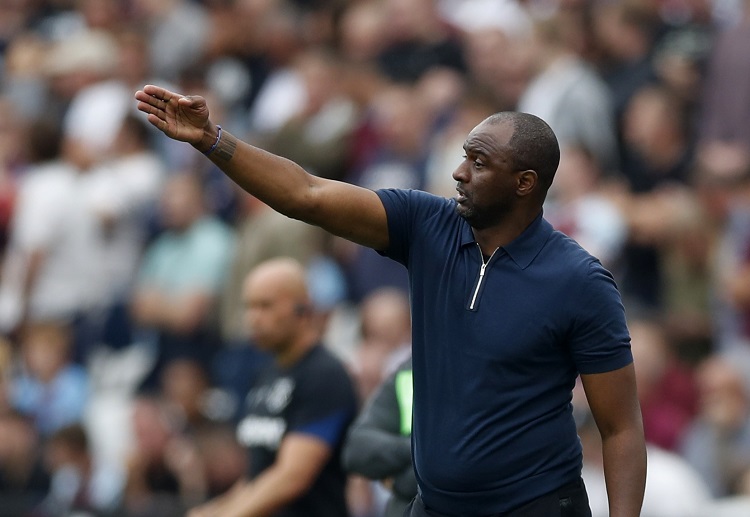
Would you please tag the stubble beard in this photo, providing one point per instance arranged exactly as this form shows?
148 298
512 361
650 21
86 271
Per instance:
481 219
470 215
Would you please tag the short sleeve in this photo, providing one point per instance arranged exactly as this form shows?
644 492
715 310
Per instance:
196 262
396 203
600 341
212 252
324 405
410 212
38 214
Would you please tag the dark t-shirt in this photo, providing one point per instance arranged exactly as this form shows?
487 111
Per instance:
496 353
316 397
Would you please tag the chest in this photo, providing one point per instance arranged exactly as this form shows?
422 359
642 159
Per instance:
266 419
494 309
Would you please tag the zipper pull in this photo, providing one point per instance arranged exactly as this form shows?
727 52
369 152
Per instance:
479 284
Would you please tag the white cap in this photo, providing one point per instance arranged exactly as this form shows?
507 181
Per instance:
90 51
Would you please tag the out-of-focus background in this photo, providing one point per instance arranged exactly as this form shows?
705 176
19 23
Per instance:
124 358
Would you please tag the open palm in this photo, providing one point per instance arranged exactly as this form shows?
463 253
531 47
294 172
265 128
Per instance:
177 116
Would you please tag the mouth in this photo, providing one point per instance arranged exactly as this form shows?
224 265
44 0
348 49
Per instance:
460 196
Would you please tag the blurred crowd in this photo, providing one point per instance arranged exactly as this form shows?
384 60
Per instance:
124 356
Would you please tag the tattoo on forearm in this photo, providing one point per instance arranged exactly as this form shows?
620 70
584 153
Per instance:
225 148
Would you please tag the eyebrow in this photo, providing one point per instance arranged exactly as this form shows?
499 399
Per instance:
474 148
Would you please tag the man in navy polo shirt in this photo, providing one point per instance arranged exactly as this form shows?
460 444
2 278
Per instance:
506 314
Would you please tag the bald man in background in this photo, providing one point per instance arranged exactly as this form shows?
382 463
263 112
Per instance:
298 412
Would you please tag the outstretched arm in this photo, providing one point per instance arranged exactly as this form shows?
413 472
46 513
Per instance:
614 404
343 209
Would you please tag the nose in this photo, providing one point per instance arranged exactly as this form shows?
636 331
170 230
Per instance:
460 174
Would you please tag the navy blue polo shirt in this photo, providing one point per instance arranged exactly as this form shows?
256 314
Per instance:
496 355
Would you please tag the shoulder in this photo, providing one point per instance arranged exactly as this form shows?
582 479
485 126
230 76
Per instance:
413 198
47 177
571 247
416 209
73 378
212 229
580 273
321 359
567 252
322 379
322 367
145 164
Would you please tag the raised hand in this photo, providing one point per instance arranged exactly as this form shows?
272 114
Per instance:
180 117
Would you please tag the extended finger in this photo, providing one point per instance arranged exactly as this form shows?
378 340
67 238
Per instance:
156 117
158 123
158 100
151 109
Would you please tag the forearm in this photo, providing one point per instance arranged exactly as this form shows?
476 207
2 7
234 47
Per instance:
152 308
613 400
625 472
216 505
278 182
263 496
342 209
187 314
376 454
34 266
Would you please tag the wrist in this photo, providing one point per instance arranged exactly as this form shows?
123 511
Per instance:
209 139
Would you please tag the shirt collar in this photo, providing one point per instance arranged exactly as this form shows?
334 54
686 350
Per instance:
525 247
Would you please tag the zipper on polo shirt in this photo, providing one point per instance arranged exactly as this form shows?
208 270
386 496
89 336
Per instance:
481 276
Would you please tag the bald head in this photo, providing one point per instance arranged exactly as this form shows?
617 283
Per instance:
284 277
278 307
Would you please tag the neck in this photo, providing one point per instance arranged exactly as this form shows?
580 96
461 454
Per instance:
505 232
298 348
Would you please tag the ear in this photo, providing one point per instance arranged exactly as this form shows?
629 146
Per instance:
302 309
527 181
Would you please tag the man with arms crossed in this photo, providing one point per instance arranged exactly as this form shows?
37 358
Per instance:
506 312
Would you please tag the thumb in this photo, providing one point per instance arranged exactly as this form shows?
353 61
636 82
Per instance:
191 101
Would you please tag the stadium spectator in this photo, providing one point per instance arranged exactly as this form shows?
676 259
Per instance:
666 386
378 445
164 473
725 107
78 482
565 90
717 442
180 277
48 387
53 240
385 331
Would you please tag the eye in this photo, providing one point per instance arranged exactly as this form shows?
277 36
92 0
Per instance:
477 163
